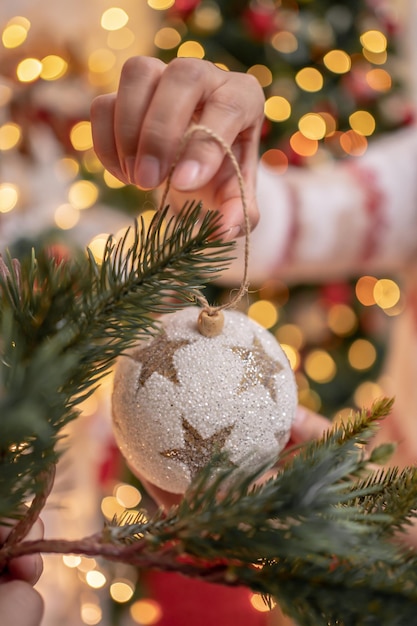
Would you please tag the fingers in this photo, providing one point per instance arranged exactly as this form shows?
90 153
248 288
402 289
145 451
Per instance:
20 604
26 568
308 425
138 132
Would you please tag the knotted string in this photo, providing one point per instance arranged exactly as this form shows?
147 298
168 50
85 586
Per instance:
243 289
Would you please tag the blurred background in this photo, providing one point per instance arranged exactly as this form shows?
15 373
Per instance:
334 77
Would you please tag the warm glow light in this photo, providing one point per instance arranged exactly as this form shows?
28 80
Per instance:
10 135
120 39
82 194
71 560
81 136
362 354
302 145
28 70
207 18
386 293
312 126
275 159
277 109
367 393
9 196
109 505
379 80
310 399
374 41
127 495
191 49
364 290
337 61
342 320
14 35
291 334
330 121
146 612
67 168
6 93
111 181
377 58
121 590
259 604
53 67
285 42
263 312
66 216
161 5
292 354
320 366
101 60
114 18
353 143
262 73
167 38
309 79
95 579
87 564
91 614
362 122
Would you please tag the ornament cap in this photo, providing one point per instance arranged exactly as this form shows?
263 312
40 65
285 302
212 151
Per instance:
210 324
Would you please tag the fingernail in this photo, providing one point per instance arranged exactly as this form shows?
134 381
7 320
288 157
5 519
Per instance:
233 233
147 173
130 169
186 175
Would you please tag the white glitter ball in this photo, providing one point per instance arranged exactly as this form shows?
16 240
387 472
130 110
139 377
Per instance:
181 397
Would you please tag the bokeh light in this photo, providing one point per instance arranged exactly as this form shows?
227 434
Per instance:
364 290
29 70
277 109
285 42
122 590
275 159
320 366
82 194
53 67
374 41
337 61
309 79
81 136
9 197
362 122
362 354
302 145
167 38
146 612
161 5
114 18
10 135
262 73
263 312
312 126
386 293
192 49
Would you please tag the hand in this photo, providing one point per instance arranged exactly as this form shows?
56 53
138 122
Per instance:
20 604
306 426
137 132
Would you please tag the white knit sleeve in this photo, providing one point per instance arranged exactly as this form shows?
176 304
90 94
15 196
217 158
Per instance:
338 219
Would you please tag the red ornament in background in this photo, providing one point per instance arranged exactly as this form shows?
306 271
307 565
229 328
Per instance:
261 21
185 7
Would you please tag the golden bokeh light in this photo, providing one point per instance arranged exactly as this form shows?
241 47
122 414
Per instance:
71 560
284 41
95 579
277 109
309 79
353 143
81 136
14 35
82 194
377 58
114 18
364 290
362 122
10 136
330 121
342 320
91 613
29 70
207 18
320 366
367 393
275 159
101 60
262 73
161 5
263 312
120 39
291 334
109 504
66 216
362 354
292 355
312 126
386 293
146 612
66 168
53 67
167 38
111 181
122 590
379 80
259 604
9 197
374 41
191 49
302 145
310 399
127 495
337 61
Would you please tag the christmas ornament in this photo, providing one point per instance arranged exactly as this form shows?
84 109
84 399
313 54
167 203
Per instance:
181 396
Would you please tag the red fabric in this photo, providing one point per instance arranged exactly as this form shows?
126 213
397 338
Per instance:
189 602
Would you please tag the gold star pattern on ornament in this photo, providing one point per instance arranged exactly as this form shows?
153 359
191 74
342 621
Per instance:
260 368
158 356
197 450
